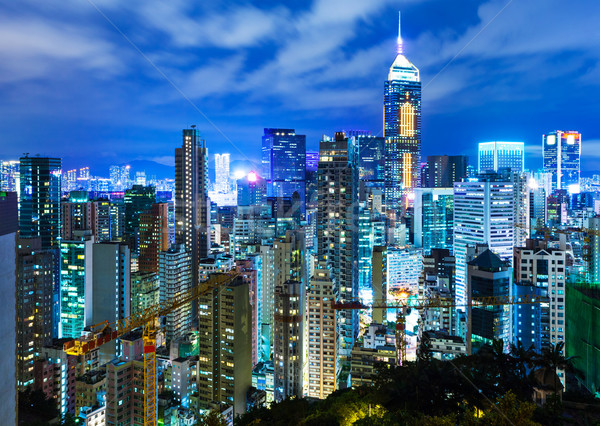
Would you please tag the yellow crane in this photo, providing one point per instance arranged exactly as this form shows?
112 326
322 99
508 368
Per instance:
434 303
149 320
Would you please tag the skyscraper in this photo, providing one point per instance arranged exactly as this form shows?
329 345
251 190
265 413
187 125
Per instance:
434 218
322 335
10 176
138 200
35 284
483 214
176 278
441 171
337 222
192 205
222 172
370 160
154 237
284 163
495 156
40 199
562 159
402 127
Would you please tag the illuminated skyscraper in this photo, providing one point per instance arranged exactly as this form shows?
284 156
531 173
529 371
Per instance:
337 222
402 127
222 172
40 200
494 156
483 214
434 218
192 205
284 163
441 171
9 176
562 159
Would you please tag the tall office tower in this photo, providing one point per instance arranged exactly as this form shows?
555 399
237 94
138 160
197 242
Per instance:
40 199
538 209
337 220
322 334
76 285
111 285
402 128
115 177
10 176
70 181
192 205
224 345
154 237
222 172
251 190
371 232
441 171
488 276
483 214
562 159
284 163
176 277
520 206
35 285
104 219
137 200
370 160
79 215
117 219
495 156
434 218
8 282
544 265
289 332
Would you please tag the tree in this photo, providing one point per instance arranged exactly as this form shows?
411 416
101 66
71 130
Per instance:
213 418
553 358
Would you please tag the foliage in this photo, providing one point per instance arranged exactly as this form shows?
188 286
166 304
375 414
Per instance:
35 407
489 387
213 418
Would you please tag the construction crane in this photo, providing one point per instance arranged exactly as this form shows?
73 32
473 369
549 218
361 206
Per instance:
149 320
433 302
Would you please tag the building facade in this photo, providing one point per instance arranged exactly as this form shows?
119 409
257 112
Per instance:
562 159
495 156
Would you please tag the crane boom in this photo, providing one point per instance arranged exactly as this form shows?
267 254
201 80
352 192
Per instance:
112 331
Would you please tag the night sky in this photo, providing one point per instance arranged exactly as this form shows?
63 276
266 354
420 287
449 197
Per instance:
72 86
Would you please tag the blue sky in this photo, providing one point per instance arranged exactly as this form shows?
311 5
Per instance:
72 86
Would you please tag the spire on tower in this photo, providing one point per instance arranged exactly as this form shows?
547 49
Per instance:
399 32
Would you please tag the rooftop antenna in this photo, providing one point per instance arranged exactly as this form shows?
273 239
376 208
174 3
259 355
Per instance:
193 126
399 32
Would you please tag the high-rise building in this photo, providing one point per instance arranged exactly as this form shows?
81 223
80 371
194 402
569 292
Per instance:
337 220
434 218
441 171
225 345
111 285
40 199
322 335
154 237
495 156
222 172
145 291
562 159
251 190
10 176
527 318
483 214
35 286
192 205
284 163
545 266
176 278
8 282
488 276
104 220
402 128
288 353
137 200
76 285
79 215
370 160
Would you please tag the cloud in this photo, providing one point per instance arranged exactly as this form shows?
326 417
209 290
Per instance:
34 48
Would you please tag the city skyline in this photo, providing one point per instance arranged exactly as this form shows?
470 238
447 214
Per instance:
280 89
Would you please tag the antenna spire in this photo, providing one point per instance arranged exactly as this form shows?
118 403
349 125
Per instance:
399 32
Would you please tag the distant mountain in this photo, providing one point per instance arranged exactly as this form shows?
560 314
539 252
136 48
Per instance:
159 170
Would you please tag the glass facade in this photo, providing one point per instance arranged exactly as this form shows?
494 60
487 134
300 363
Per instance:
434 218
284 163
402 128
562 159
495 156
75 286
40 199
